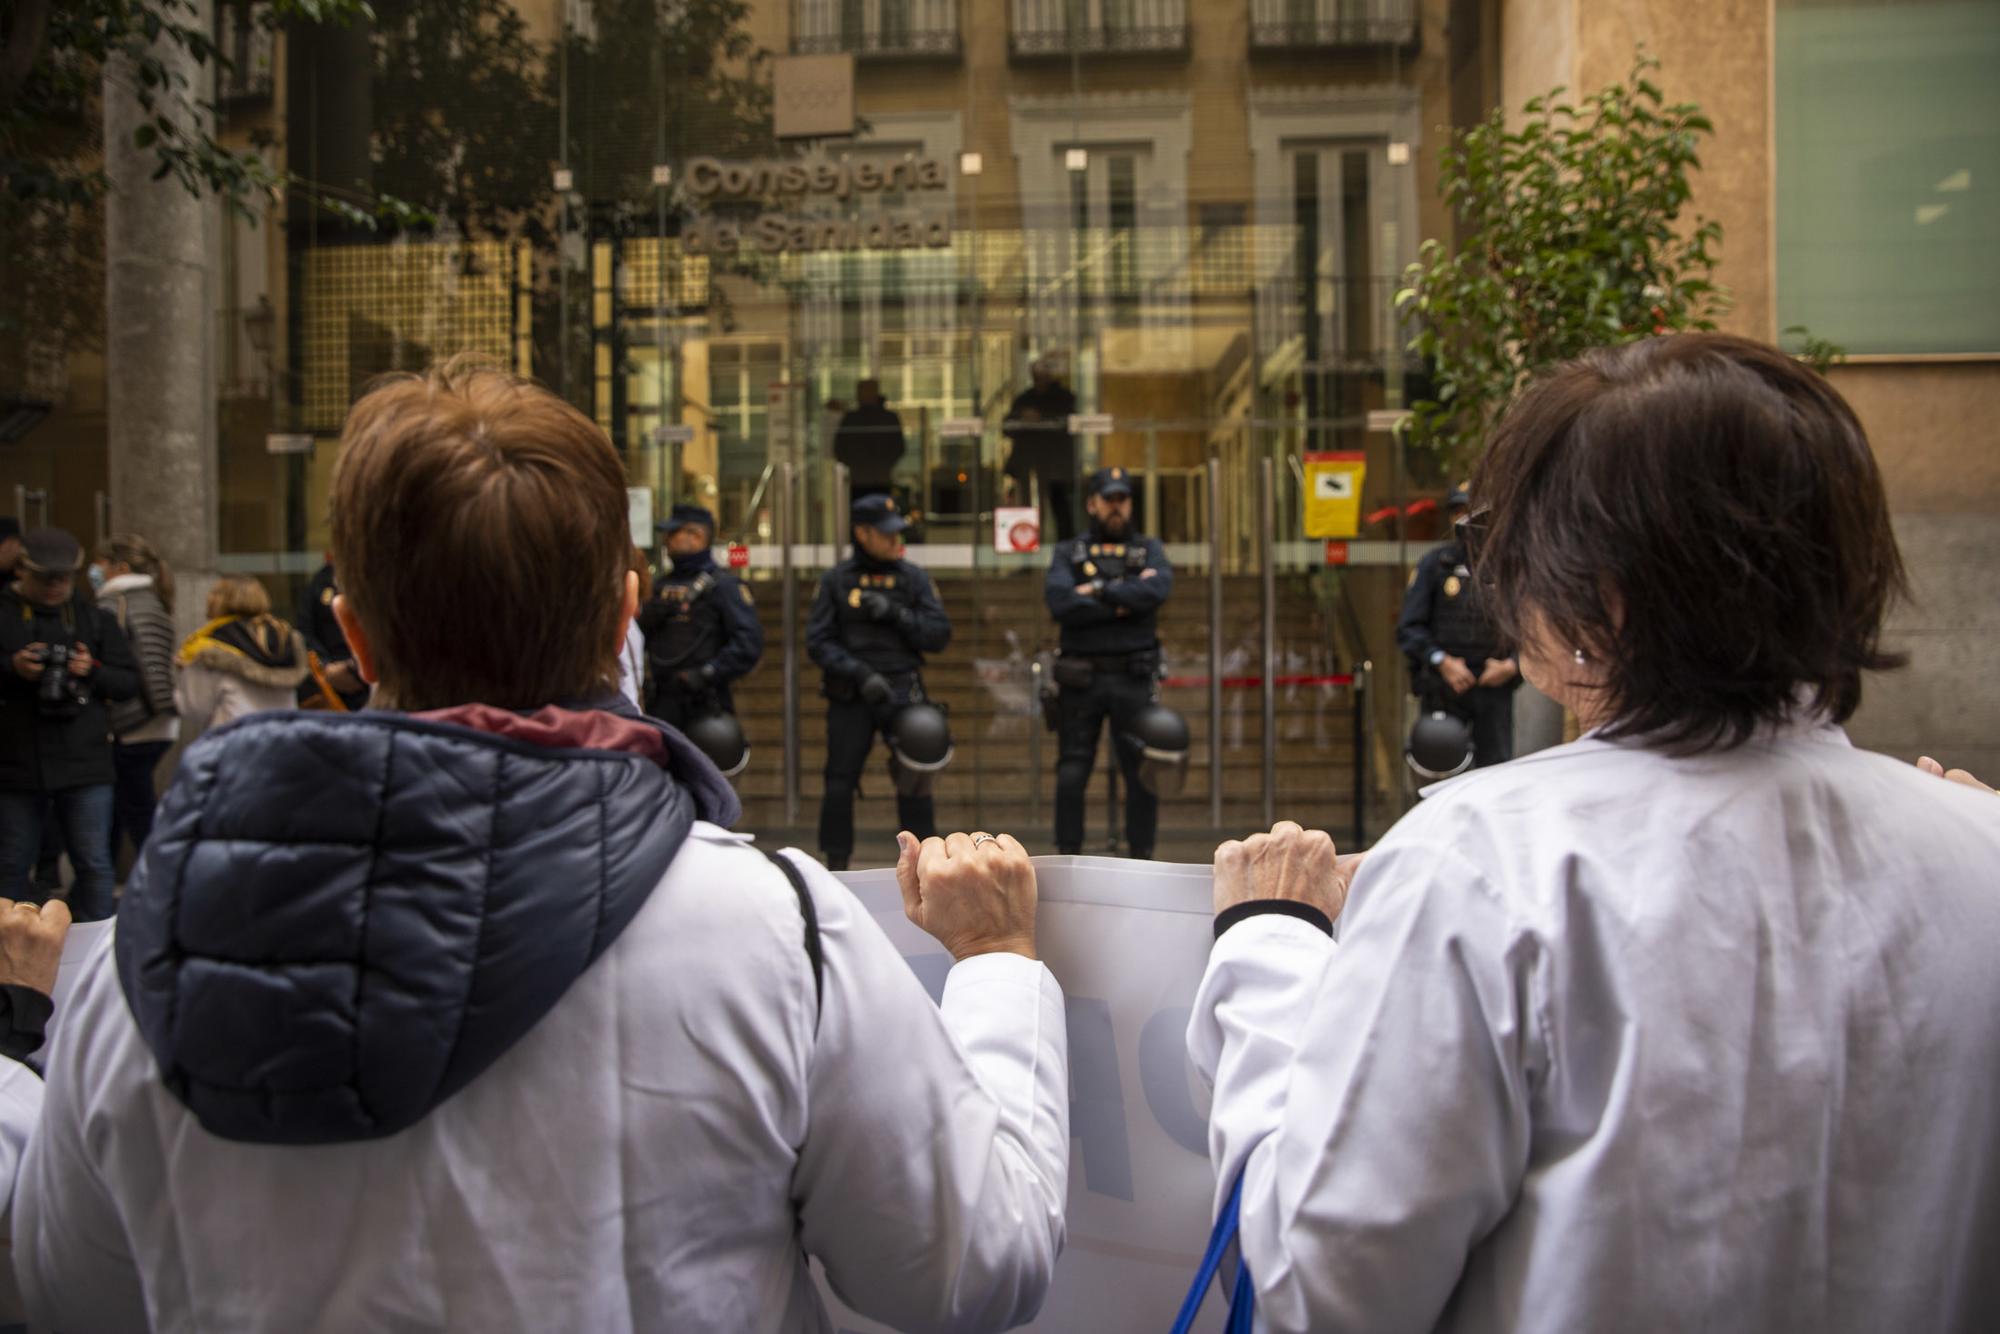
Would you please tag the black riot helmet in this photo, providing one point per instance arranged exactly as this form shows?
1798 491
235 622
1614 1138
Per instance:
1160 737
720 737
1440 746
919 747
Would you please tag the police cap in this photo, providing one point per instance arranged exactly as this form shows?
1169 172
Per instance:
1112 483
683 515
880 513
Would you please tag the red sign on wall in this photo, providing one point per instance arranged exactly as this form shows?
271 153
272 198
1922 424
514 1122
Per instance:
1336 553
739 556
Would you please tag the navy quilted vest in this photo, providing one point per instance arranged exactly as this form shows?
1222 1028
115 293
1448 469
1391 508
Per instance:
341 920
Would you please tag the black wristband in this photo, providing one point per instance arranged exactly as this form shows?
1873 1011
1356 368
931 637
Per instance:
1243 912
24 1017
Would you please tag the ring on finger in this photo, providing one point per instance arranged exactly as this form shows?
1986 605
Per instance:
978 839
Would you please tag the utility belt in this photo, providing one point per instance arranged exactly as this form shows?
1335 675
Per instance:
1076 671
846 690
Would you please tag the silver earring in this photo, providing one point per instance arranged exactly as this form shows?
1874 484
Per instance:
1581 657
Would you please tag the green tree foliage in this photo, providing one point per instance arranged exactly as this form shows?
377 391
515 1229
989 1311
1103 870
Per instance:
684 76
1573 237
464 120
54 58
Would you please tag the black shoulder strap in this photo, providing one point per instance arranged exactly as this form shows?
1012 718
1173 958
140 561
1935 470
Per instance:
811 914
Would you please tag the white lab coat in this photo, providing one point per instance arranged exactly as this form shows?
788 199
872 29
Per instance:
632 665
20 1112
1613 1041
660 1152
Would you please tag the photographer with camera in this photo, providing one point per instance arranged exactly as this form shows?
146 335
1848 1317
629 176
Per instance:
61 659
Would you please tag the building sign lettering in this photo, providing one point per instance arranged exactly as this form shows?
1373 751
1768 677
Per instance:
711 181
780 234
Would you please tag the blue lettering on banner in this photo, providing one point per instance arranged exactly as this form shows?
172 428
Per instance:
1097 1095
1163 1075
1096 1102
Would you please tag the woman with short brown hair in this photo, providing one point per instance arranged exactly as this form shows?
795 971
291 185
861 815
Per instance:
1691 1023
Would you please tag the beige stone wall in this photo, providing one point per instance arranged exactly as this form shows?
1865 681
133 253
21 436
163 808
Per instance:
1537 48
1717 55
1934 429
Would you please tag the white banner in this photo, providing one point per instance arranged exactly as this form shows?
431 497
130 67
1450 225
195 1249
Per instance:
1128 941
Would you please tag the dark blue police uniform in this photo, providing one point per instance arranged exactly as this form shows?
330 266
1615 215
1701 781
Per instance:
1441 615
870 626
701 632
1105 591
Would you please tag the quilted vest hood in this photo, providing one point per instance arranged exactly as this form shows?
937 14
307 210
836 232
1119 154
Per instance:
340 920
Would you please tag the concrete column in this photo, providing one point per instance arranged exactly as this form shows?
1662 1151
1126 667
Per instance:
159 341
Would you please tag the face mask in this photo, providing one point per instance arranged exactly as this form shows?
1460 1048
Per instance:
96 578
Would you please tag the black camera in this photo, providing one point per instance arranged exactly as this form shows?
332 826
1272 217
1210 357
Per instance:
61 693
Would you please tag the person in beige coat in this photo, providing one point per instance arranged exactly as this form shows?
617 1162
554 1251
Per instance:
245 660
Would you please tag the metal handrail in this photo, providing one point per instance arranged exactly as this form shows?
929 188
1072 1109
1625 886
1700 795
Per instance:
790 603
1215 598
757 496
1267 486
1364 731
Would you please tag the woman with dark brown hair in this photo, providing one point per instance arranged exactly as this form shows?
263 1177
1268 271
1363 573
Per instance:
1691 1023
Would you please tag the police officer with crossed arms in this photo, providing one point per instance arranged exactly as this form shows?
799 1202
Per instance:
700 625
1105 590
874 618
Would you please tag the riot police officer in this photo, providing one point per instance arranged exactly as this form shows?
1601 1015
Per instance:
873 620
1457 662
700 625
1105 590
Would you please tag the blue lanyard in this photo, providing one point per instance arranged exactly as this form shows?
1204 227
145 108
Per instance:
1242 1297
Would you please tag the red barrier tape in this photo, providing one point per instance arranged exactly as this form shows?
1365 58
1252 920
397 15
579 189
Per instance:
1255 682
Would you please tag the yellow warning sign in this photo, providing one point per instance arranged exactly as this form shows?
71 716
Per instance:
1333 493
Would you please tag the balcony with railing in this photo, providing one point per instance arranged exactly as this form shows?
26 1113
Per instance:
1332 25
876 29
245 42
1061 28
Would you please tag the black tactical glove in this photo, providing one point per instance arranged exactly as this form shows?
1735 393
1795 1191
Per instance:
875 688
878 606
695 678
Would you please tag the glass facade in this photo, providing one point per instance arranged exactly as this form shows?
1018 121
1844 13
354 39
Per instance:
1191 215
